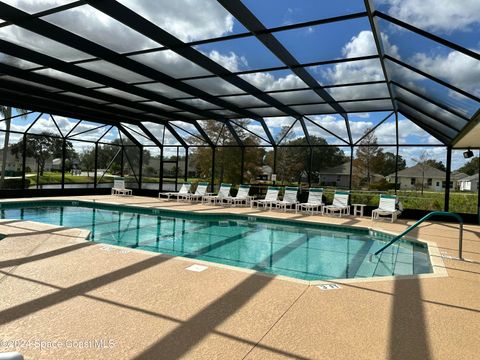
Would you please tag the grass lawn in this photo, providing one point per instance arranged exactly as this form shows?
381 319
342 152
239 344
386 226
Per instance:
463 202
56 178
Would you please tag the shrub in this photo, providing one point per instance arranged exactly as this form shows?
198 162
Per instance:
15 183
382 185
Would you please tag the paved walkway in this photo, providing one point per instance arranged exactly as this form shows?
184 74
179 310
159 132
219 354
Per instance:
78 300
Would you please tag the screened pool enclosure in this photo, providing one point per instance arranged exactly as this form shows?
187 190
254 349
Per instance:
371 96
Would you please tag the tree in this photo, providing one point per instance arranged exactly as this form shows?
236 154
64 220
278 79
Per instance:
43 147
388 163
471 167
131 156
87 160
369 158
422 162
297 157
6 112
435 164
227 153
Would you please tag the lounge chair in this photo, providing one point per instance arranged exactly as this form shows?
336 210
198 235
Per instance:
200 191
241 198
119 189
314 201
340 204
270 198
184 189
386 207
289 199
223 192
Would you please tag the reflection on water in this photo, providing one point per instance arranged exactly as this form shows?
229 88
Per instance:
298 251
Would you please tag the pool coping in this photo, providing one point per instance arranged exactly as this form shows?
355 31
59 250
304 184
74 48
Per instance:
436 259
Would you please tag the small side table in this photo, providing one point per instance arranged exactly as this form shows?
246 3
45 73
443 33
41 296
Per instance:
358 209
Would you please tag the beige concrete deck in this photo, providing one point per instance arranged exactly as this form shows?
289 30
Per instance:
63 293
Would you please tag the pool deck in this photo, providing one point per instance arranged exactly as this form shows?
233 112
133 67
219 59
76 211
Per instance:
62 293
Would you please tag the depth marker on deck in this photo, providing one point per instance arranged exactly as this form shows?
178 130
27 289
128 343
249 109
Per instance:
329 287
197 268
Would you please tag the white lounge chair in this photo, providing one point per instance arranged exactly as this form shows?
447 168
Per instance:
200 191
119 189
289 199
223 192
270 198
241 198
314 201
386 207
340 204
184 189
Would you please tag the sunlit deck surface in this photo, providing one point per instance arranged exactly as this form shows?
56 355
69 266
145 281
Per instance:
55 285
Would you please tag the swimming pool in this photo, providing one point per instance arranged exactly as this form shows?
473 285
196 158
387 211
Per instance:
290 248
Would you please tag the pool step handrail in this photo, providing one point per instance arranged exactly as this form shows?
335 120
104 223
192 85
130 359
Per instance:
426 217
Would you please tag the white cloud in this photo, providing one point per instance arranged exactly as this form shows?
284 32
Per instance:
409 132
279 122
98 27
458 69
231 61
358 71
268 82
385 133
189 20
361 115
37 5
332 123
215 86
20 63
440 15
30 40
409 154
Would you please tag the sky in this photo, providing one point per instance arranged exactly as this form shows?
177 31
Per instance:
456 21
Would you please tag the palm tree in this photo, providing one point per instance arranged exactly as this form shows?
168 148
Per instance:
6 112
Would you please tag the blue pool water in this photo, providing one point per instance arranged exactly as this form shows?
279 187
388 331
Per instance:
294 249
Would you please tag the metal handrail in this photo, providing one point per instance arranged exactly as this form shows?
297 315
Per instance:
429 215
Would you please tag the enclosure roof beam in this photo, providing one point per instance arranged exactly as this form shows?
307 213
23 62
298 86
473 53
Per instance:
150 135
305 131
30 55
66 100
251 22
428 35
16 98
138 23
435 133
70 39
203 134
428 99
416 108
377 36
433 78
128 135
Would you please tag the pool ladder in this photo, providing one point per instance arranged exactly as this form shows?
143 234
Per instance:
426 217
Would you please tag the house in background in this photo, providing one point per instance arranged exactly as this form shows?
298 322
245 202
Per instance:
469 183
265 173
412 177
456 176
14 164
339 176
